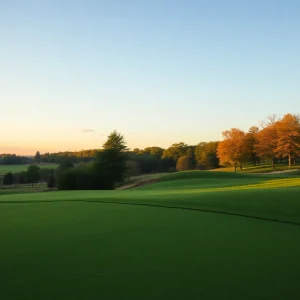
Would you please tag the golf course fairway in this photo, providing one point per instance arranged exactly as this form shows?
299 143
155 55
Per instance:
192 235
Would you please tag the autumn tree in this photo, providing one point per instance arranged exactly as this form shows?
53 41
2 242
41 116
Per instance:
184 163
266 140
288 137
232 149
250 140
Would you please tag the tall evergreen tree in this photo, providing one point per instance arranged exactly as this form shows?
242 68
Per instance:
115 141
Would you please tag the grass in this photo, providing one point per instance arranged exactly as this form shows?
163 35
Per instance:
23 188
262 168
157 241
19 168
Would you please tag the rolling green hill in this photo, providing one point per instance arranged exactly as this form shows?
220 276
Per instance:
192 235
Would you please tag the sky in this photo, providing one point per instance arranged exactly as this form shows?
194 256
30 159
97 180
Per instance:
157 71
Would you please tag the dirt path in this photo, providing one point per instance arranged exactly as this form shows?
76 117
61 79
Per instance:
136 184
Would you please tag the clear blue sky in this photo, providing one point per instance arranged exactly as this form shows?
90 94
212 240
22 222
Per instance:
158 71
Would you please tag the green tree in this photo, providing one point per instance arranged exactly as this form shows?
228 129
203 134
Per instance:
206 155
175 151
132 168
37 157
115 141
22 177
8 179
33 174
156 151
66 163
110 167
51 180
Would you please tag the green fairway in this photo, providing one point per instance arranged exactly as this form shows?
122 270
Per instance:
19 168
193 235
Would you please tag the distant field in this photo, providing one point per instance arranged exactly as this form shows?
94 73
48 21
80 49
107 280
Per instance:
193 235
18 168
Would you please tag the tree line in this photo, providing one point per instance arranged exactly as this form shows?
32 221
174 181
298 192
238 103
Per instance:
32 175
142 161
276 140
13 159
114 163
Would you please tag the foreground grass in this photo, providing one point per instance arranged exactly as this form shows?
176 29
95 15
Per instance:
80 245
19 168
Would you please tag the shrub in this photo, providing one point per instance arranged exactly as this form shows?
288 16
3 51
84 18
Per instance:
8 179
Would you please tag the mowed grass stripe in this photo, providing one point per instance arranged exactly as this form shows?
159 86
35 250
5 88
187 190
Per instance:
271 199
161 206
65 251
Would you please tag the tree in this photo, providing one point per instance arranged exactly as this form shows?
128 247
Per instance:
232 149
51 180
66 163
13 159
8 179
132 168
33 174
115 141
22 177
184 163
157 151
266 141
110 163
288 137
37 157
250 140
175 151
206 155
110 167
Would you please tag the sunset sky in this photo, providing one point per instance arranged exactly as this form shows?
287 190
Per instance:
158 71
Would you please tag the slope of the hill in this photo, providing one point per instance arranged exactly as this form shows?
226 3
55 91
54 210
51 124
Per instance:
192 235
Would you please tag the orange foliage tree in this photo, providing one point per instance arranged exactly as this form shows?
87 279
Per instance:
266 141
288 137
250 140
233 149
